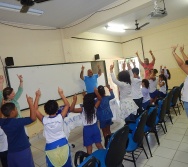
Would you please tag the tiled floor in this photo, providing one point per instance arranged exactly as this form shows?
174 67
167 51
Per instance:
172 152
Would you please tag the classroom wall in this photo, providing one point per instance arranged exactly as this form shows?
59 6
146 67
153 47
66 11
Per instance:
159 40
32 47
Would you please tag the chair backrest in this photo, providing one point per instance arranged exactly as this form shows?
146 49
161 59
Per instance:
169 100
162 109
176 93
90 162
139 131
116 147
152 114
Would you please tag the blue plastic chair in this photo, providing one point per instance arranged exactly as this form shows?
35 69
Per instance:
113 155
90 162
135 137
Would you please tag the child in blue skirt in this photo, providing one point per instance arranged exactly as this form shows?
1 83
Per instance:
57 148
91 132
104 113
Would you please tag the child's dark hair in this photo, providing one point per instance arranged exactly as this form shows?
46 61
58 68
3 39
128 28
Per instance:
51 107
164 78
89 107
168 72
135 71
186 62
155 71
124 76
7 108
6 92
146 83
101 90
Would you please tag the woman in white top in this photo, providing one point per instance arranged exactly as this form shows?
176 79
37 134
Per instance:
184 66
91 132
127 105
163 85
145 93
3 148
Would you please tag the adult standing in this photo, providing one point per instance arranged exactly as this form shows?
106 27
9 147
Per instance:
146 65
91 79
184 66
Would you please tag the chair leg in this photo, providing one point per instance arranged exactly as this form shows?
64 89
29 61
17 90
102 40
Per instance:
170 118
174 111
178 109
144 151
163 128
134 159
148 145
181 104
165 125
156 135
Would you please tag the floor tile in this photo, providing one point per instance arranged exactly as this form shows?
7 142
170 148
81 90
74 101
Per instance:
180 131
181 157
170 144
185 139
181 125
157 161
173 136
178 164
165 152
183 147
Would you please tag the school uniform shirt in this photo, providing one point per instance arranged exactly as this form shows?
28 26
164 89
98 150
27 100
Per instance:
103 111
153 85
3 141
163 88
136 87
145 93
16 136
84 121
53 128
91 82
184 91
15 100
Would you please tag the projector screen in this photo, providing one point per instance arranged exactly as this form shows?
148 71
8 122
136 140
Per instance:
48 78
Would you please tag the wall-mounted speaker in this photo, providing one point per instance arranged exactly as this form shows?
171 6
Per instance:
97 57
9 61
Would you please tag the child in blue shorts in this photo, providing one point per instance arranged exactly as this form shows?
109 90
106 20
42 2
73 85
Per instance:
57 148
19 152
104 113
91 132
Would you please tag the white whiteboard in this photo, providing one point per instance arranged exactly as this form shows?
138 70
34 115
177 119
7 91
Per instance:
48 78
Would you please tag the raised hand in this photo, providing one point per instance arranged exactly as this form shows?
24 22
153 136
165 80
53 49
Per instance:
75 97
1 79
29 99
60 91
124 65
182 48
111 67
82 68
174 48
20 78
108 86
38 92
150 52
98 66
136 53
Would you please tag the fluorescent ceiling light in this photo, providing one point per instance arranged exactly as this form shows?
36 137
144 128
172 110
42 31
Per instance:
16 8
115 27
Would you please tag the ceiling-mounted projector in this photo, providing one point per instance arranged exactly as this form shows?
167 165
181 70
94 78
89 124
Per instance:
158 12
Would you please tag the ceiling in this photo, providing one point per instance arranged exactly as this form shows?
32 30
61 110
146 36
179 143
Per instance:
60 13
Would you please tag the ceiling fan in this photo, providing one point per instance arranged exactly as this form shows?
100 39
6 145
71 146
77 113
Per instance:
138 27
26 4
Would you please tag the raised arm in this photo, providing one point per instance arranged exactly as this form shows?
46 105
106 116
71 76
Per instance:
82 73
72 107
37 97
153 57
180 62
124 66
21 80
32 108
185 57
111 92
1 82
99 70
118 83
66 103
139 60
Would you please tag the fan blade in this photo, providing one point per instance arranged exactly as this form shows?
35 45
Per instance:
39 1
24 9
129 29
143 25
